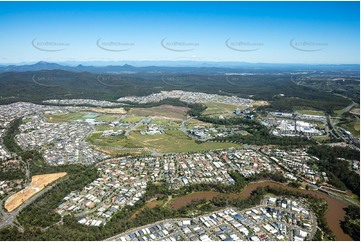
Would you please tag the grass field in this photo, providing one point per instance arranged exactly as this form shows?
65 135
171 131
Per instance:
337 113
310 112
38 183
194 122
107 118
131 119
321 138
105 127
115 152
220 108
167 123
65 117
353 127
162 121
172 141
108 110
163 111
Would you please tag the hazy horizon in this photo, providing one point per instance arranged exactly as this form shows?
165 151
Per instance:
183 62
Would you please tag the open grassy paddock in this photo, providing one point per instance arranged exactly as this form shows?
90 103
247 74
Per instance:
65 117
220 108
163 111
172 141
310 112
353 127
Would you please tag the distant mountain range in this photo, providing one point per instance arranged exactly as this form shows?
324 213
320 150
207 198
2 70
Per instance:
172 66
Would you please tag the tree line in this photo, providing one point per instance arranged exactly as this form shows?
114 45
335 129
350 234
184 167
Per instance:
337 170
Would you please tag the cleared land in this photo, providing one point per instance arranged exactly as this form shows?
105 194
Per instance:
355 111
321 138
172 141
220 108
132 119
148 205
353 127
311 112
195 122
260 103
108 110
107 118
116 152
163 111
105 127
65 117
38 183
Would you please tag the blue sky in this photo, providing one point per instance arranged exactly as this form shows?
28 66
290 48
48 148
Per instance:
268 32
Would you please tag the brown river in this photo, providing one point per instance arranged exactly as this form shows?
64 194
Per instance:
334 214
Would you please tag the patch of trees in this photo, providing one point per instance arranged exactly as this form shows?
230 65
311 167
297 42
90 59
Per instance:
159 190
275 176
196 109
325 152
12 171
263 137
294 184
351 225
9 138
327 103
41 213
229 121
167 101
15 172
337 170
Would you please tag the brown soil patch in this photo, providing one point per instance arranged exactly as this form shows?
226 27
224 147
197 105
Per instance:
149 205
37 184
260 103
108 110
355 111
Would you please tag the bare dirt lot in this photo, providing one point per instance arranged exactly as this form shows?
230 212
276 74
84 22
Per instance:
260 103
108 110
355 111
38 183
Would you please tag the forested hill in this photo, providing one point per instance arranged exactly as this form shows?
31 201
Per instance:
35 86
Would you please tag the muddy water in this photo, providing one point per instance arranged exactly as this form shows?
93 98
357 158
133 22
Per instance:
334 214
